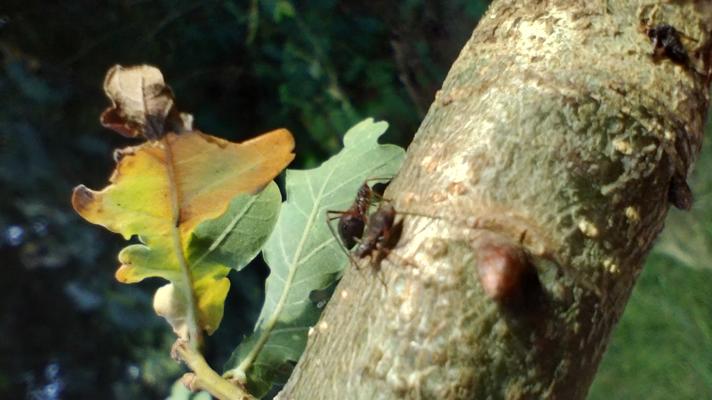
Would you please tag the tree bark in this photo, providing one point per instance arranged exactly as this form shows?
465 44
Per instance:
547 164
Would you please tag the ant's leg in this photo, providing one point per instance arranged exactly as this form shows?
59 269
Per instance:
377 256
332 215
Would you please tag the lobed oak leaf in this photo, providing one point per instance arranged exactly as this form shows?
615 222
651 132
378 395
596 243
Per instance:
160 191
304 257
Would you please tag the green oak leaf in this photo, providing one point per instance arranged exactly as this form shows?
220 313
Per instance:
236 237
304 256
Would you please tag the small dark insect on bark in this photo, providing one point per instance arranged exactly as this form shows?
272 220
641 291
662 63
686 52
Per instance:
679 193
352 222
667 43
381 236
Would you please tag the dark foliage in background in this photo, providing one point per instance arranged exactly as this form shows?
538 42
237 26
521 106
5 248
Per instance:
68 329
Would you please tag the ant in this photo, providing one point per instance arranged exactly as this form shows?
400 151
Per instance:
381 237
352 222
373 235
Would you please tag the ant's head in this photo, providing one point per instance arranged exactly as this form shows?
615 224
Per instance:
380 188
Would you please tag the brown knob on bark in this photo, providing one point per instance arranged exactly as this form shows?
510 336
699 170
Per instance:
502 268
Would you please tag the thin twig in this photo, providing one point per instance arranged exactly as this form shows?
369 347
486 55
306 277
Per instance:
205 378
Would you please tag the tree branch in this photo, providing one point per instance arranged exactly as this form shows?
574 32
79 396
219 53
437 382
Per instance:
548 161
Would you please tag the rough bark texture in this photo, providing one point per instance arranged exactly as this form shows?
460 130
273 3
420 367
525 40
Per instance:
558 132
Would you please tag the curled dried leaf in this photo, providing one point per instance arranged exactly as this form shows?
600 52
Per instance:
142 103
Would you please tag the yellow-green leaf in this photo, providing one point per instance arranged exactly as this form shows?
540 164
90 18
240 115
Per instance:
160 191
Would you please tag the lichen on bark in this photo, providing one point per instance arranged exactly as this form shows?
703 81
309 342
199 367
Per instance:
558 131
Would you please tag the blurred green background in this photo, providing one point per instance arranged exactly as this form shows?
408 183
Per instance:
68 330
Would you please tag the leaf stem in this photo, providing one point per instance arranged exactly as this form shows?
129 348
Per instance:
195 332
204 377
